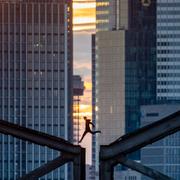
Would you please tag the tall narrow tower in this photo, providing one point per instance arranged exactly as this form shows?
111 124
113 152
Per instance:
35 80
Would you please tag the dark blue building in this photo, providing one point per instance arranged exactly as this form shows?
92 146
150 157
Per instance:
140 61
35 80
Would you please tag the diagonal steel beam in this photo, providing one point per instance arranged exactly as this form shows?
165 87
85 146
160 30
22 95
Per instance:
39 138
106 169
143 169
48 167
142 137
69 151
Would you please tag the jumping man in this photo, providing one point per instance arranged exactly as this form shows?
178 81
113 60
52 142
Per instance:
88 129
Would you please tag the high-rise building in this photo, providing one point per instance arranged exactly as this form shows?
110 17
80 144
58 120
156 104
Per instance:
111 14
125 66
35 80
168 51
102 15
127 175
163 155
137 62
168 89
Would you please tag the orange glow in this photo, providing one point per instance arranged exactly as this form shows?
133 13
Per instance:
84 21
84 15
88 85
84 28
79 5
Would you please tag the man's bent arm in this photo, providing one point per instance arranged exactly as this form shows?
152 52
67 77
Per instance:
92 124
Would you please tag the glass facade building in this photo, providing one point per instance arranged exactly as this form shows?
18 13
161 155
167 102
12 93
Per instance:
111 14
35 80
168 50
102 15
140 61
163 155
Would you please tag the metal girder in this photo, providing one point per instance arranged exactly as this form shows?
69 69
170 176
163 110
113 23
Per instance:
142 137
107 169
70 152
79 161
117 151
37 137
143 169
78 166
48 167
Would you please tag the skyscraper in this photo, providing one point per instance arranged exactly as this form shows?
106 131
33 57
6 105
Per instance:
144 36
35 80
125 66
168 51
168 89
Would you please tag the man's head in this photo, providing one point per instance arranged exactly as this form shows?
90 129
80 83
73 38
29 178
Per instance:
86 119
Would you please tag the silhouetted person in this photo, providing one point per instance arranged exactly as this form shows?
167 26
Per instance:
88 129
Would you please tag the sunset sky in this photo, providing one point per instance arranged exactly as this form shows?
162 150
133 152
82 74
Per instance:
84 26
84 15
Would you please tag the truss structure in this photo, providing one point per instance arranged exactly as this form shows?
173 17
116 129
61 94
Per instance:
117 152
69 152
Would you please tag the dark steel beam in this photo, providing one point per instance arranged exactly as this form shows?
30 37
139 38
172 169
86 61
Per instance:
143 169
48 167
69 151
37 137
79 167
106 170
142 137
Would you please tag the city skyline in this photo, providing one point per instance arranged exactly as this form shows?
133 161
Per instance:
125 53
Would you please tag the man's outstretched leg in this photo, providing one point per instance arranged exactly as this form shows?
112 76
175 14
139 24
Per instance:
94 132
83 136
